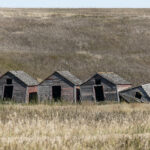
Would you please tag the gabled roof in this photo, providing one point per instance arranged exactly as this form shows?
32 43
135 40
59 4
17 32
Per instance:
70 77
24 77
111 77
114 78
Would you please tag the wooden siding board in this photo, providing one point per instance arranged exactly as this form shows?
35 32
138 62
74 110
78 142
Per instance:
44 93
45 88
19 89
132 92
32 89
87 89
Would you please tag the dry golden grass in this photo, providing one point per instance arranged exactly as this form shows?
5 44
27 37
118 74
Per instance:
54 127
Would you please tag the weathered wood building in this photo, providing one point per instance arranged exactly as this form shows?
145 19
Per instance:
136 94
61 85
103 86
18 86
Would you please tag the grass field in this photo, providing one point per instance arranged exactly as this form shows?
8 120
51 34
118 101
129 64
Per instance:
83 41
76 127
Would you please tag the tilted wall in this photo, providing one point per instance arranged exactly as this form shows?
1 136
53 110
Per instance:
132 92
87 89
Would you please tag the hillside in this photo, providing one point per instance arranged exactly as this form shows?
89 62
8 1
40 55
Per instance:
83 41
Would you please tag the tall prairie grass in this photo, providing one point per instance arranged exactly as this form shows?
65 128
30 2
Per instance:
75 127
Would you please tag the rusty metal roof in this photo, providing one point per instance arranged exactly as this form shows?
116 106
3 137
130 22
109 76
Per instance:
70 77
114 78
24 77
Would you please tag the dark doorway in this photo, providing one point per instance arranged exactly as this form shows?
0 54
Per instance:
8 91
99 93
138 95
33 98
56 93
78 95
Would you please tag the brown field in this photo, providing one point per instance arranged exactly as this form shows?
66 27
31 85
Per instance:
75 127
83 41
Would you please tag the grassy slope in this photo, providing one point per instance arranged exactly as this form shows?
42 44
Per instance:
83 41
113 127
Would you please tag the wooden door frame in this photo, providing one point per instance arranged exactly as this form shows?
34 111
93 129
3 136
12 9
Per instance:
4 90
95 93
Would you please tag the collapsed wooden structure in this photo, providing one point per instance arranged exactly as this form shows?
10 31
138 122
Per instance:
139 94
19 86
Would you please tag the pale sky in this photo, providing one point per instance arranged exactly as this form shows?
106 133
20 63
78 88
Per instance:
76 3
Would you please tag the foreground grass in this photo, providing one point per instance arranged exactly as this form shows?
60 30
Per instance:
75 127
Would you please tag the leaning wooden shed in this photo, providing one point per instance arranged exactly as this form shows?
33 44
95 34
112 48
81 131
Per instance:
61 85
103 86
18 86
136 94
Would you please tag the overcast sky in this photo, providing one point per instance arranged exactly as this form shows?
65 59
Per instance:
76 3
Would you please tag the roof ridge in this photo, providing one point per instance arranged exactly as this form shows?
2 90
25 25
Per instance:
24 77
104 72
114 78
74 80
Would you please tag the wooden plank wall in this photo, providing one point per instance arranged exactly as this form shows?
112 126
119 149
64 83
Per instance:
31 89
45 88
132 93
87 89
19 89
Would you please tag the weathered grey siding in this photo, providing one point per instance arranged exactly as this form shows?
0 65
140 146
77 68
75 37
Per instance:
45 88
19 89
132 93
87 89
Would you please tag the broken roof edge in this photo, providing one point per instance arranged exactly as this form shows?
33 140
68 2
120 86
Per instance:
131 88
145 84
141 85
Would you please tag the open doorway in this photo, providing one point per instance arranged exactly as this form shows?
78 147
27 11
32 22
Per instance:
8 92
99 93
78 95
56 93
33 98
138 95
